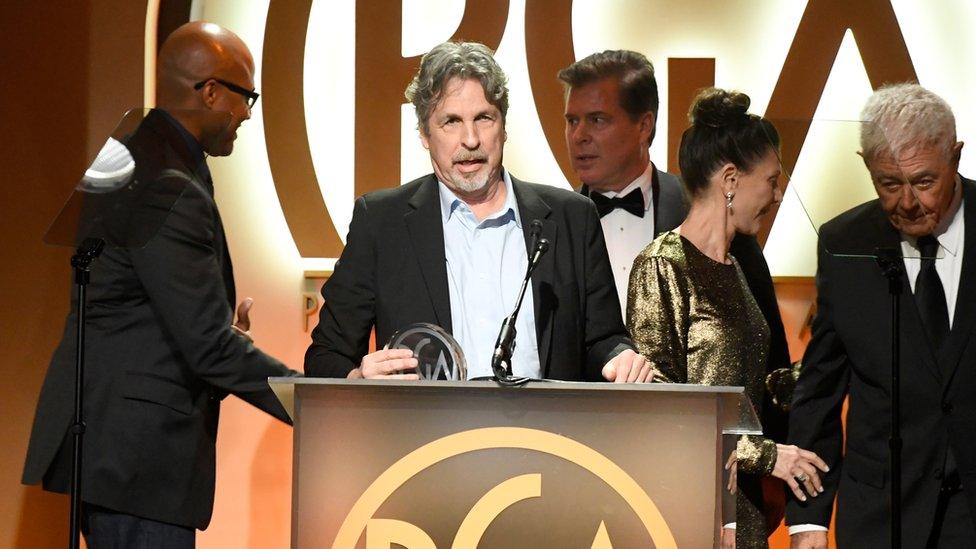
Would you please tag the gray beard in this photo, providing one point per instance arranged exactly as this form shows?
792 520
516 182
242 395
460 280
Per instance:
470 185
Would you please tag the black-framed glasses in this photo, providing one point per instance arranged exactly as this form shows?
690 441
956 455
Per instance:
250 95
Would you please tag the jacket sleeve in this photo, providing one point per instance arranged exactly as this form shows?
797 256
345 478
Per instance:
815 417
657 317
756 455
348 313
605 334
182 277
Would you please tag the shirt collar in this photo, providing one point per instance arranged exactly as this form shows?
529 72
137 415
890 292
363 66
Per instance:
949 232
643 182
198 157
451 203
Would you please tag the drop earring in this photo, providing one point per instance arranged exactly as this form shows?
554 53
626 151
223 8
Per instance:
728 200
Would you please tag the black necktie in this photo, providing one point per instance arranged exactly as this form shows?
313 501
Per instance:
930 294
633 202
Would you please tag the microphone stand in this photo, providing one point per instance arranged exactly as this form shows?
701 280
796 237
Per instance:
87 252
501 358
892 266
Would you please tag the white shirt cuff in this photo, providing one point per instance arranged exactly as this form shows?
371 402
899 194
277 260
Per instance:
730 526
806 528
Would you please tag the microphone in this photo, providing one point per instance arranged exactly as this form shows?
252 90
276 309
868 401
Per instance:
535 232
501 358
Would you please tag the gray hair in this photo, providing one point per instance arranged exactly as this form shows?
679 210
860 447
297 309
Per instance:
900 116
455 60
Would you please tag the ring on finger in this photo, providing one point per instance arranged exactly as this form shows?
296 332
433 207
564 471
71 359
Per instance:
802 477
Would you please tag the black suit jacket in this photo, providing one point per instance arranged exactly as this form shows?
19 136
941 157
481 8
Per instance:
670 208
159 354
850 355
393 273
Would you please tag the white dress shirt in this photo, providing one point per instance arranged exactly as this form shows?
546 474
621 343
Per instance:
951 235
627 235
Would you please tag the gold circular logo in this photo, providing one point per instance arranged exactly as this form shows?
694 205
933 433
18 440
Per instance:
491 504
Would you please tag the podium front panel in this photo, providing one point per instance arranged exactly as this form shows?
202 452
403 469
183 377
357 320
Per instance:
381 464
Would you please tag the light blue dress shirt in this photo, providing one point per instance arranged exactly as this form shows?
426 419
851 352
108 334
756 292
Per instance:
486 263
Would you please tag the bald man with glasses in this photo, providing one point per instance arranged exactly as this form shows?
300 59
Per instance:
162 347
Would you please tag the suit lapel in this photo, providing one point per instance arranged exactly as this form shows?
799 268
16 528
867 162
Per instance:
964 317
424 225
531 207
227 268
178 154
655 200
670 204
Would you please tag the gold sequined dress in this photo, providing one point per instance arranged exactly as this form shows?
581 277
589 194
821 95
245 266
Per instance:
697 322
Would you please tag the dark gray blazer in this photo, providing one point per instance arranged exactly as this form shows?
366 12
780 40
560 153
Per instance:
393 273
160 354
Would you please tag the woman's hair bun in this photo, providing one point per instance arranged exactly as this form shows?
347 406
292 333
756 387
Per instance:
716 108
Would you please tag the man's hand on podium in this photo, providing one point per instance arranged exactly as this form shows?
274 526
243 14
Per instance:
386 364
628 367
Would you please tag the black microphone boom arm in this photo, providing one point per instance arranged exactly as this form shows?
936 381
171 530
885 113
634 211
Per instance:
501 358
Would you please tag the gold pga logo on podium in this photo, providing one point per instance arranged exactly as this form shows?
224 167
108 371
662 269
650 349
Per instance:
384 533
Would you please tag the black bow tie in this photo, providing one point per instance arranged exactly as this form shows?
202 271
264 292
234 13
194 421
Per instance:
633 203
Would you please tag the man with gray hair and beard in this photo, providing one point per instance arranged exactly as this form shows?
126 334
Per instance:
451 249
926 212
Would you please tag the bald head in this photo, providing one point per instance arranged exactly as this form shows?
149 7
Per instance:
194 52
198 66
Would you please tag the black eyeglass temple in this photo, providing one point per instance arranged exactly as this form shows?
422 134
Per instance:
250 95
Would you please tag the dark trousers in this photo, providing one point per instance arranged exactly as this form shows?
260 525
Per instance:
953 525
107 529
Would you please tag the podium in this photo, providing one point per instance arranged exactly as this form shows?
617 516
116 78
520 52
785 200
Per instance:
462 465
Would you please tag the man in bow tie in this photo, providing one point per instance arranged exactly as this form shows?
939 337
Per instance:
611 113
611 110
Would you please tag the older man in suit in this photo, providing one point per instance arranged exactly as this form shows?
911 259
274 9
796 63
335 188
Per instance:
926 212
161 348
450 248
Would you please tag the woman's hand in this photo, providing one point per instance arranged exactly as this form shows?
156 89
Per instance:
798 467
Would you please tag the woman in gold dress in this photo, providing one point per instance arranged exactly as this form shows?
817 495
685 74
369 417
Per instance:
689 309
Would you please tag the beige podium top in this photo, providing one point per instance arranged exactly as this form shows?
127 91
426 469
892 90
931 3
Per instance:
739 416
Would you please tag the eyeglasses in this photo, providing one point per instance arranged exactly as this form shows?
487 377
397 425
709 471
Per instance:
250 95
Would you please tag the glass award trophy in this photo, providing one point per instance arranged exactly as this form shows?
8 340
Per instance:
438 355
